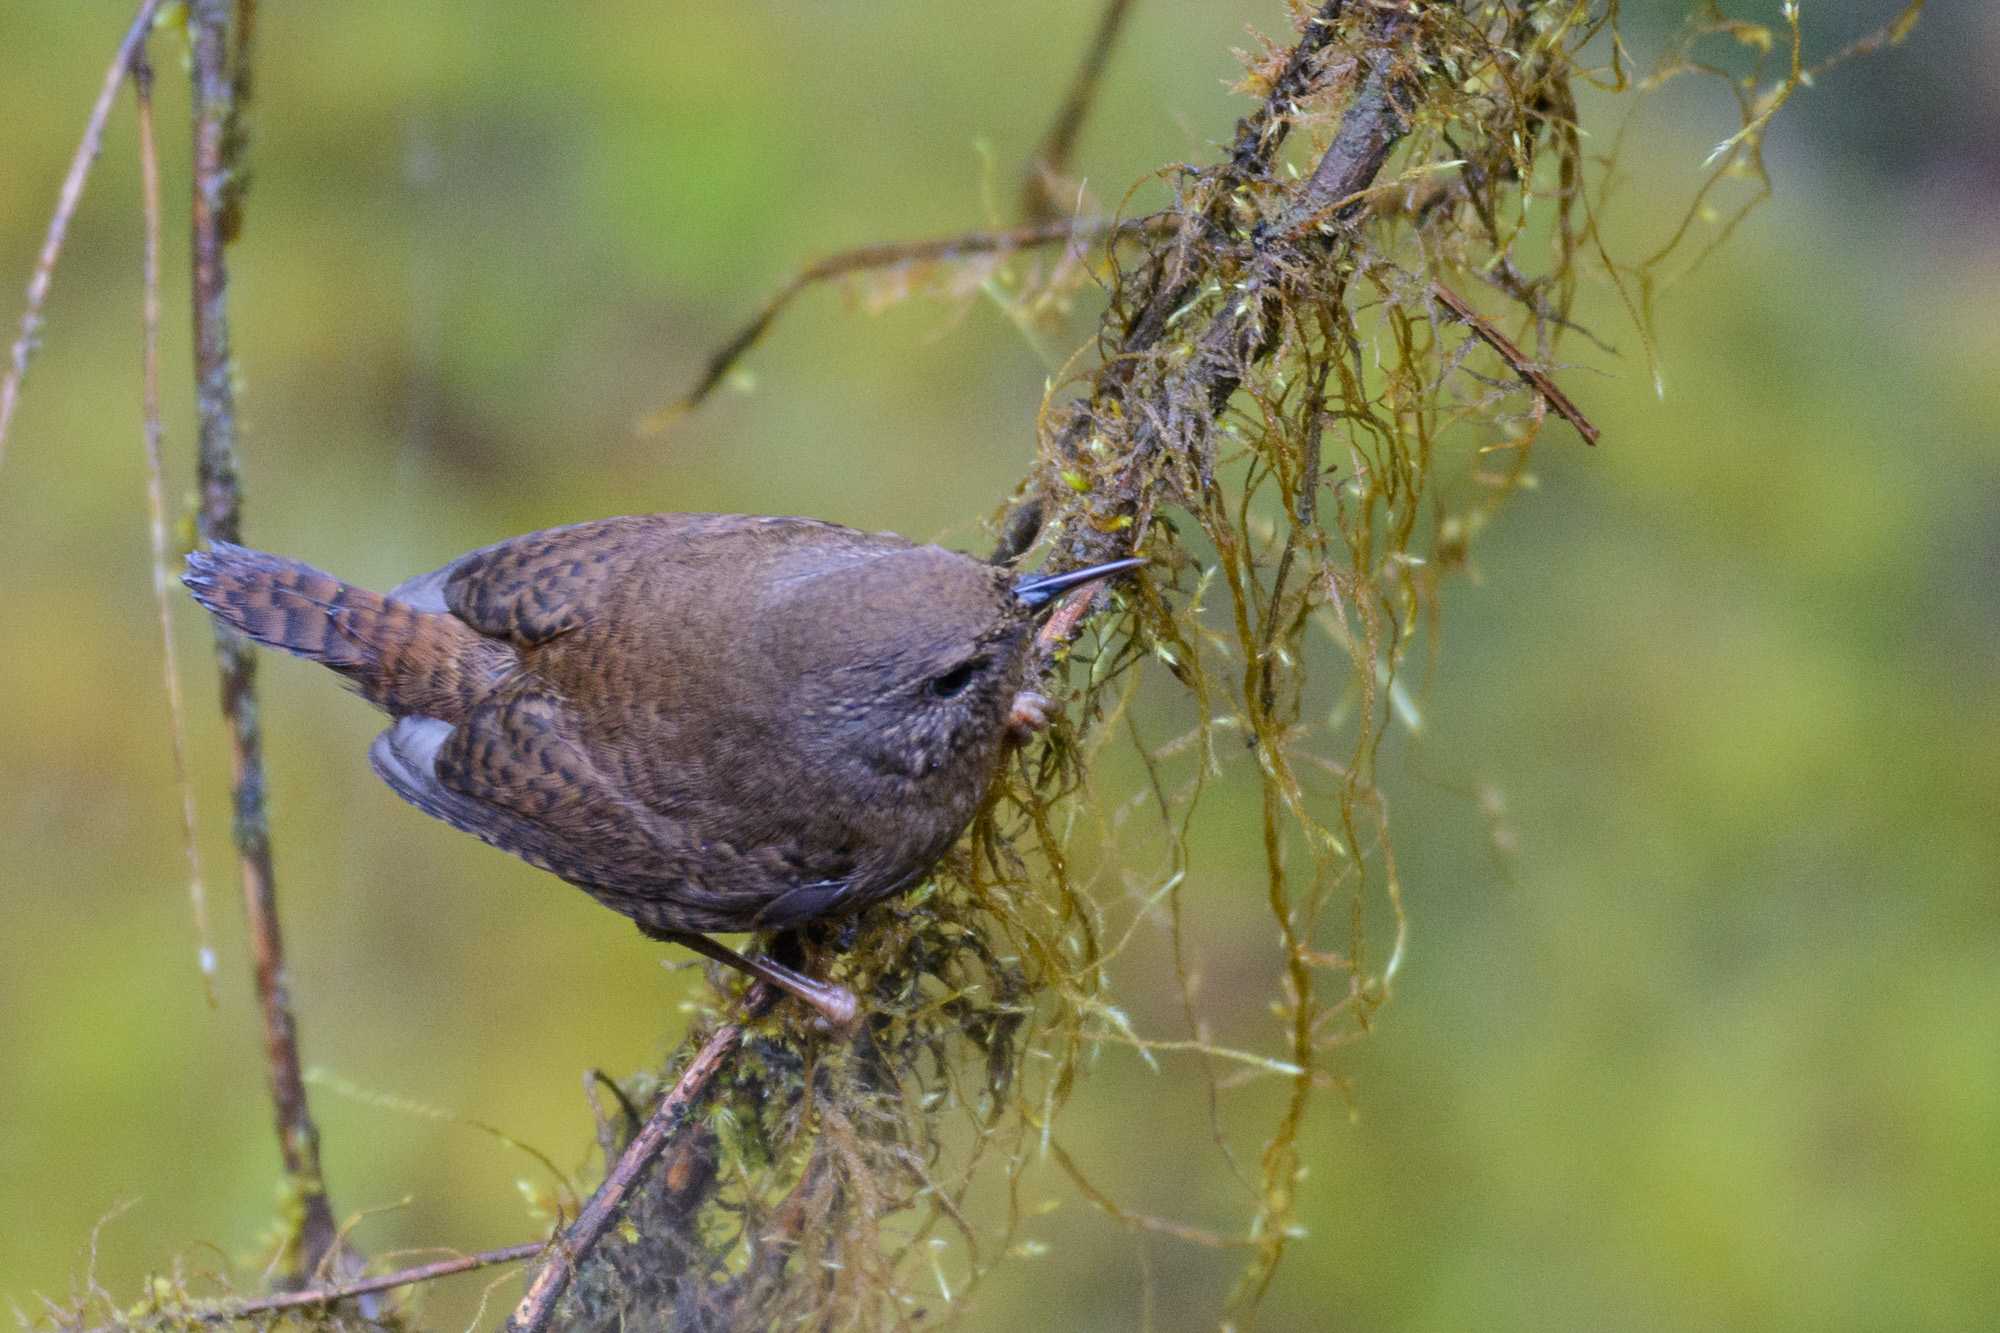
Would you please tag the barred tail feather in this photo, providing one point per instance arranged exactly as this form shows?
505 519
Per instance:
403 660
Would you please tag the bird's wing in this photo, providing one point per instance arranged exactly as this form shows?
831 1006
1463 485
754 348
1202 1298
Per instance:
537 587
512 775
515 775
529 589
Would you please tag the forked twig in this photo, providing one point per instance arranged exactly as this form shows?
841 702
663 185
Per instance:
67 200
532 1315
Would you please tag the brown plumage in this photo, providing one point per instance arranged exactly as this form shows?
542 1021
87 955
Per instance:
709 722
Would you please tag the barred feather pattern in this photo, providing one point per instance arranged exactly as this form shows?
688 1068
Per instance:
405 661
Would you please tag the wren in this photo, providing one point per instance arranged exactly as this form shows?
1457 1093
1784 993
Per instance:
708 722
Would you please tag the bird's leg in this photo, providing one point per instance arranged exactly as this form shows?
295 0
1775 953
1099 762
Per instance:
836 1003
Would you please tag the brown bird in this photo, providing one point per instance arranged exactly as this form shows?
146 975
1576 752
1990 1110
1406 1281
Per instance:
708 722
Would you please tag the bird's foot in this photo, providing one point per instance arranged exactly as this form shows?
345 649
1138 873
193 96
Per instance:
1029 714
837 1007
839 1011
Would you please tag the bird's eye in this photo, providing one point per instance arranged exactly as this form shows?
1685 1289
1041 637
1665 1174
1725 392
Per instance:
955 680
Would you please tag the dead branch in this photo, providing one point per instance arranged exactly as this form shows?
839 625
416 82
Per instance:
67 200
164 584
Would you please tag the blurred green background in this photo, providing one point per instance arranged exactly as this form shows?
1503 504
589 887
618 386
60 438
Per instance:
1701 1034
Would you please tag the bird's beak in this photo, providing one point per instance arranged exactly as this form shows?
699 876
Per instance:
1036 592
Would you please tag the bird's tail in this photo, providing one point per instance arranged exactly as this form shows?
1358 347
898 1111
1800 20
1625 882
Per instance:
403 660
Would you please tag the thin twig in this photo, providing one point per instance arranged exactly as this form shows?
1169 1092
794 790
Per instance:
1048 165
941 249
67 200
333 1293
538 1306
1513 356
216 197
1262 133
156 512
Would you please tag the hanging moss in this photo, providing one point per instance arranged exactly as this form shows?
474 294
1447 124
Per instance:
1321 370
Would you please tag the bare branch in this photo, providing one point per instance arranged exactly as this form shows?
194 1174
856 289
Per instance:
216 201
66 203
309 1297
1048 166
156 510
941 249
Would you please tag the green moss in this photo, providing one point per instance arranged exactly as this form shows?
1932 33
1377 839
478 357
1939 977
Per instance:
1284 414
1287 416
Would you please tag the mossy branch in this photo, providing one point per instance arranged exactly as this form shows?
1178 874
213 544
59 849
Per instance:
574 1246
1287 415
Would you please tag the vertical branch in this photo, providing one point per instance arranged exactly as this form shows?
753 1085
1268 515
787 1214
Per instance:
215 205
156 507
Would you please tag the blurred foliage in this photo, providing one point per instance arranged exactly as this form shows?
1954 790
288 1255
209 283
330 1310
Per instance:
1696 833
